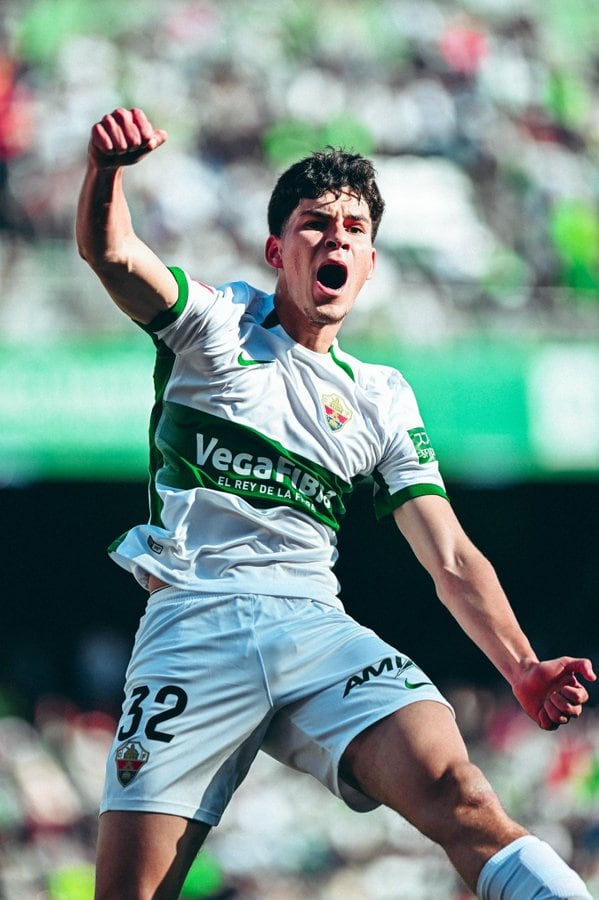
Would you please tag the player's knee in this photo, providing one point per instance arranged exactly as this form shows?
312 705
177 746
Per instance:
464 801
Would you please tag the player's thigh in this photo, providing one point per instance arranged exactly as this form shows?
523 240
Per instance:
402 760
143 855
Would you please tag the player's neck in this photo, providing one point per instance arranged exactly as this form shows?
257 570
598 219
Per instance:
316 337
314 330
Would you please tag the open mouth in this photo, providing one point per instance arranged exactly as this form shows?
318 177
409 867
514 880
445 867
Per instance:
332 275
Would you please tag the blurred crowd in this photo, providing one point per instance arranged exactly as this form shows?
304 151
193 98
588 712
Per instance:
483 120
482 117
284 837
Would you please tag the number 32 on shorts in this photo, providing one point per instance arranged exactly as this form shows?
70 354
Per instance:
174 700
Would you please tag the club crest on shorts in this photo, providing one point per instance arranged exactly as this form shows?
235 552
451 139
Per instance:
129 758
337 411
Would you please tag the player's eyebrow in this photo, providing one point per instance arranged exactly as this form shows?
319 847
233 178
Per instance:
319 213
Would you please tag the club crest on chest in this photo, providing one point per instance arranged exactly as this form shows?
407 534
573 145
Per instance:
336 410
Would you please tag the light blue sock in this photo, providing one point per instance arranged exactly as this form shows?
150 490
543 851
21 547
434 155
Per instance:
529 869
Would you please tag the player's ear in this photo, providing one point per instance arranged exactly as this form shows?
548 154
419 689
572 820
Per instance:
272 252
372 264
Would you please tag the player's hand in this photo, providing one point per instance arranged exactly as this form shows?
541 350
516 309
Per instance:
122 138
550 691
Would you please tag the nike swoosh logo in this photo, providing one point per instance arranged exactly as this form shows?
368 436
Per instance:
244 360
417 684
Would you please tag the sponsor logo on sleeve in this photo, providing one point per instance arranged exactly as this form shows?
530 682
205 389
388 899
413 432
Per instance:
422 445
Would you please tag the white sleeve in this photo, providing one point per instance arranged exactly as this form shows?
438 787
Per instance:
202 317
409 466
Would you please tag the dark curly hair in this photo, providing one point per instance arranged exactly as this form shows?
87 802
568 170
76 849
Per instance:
325 170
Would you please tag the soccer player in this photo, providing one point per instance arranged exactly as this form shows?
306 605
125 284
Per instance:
260 425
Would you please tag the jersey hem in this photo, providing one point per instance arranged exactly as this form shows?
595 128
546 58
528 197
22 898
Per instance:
257 587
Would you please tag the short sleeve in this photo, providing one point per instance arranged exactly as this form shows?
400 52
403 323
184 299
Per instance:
409 466
202 316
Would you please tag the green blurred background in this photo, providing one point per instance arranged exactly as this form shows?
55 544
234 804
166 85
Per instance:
482 118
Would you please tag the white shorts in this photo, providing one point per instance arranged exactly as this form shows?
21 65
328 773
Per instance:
215 678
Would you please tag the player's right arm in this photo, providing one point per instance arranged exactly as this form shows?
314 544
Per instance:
136 279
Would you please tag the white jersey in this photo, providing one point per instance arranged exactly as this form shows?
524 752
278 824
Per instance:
256 443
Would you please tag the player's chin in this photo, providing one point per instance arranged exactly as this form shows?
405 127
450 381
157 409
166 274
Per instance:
333 305
325 314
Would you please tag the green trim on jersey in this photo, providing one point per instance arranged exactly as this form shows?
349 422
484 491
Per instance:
342 365
385 503
163 367
117 542
168 316
200 450
272 320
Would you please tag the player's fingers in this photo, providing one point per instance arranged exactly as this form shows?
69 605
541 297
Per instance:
108 136
568 701
158 138
575 694
142 123
134 133
583 667
545 722
571 689
554 713
125 131
138 130
101 139
123 137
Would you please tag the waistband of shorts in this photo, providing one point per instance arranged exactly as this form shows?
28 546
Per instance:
157 584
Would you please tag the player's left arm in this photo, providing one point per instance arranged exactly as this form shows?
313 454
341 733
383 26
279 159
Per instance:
549 691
